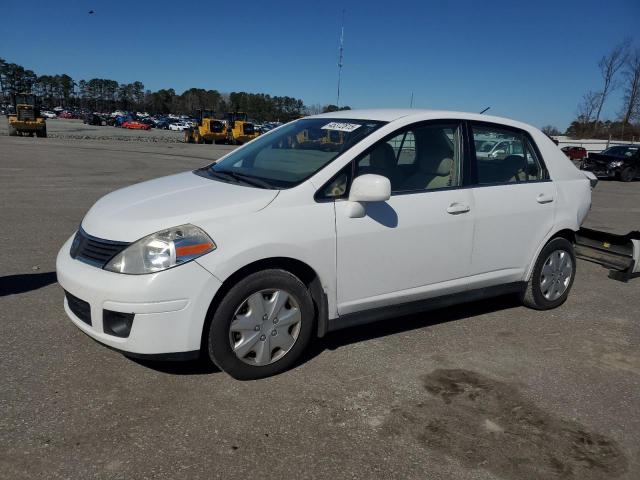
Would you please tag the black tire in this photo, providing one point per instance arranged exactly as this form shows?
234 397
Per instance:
12 131
187 136
533 296
208 142
218 341
628 174
42 133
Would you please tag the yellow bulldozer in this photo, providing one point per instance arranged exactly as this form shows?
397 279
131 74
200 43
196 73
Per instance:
208 130
239 129
27 119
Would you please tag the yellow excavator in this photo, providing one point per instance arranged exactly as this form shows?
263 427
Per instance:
27 119
209 129
239 129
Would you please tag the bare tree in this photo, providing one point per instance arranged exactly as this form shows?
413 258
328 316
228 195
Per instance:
631 106
550 130
588 106
609 66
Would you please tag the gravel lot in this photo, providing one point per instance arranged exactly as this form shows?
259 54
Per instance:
76 130
482 391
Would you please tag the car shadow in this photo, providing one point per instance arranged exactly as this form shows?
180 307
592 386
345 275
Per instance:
25 282
401 324
341 338
199 366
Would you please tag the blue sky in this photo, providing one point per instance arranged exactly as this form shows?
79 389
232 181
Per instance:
529 60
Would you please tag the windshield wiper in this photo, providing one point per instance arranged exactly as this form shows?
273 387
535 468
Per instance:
251 180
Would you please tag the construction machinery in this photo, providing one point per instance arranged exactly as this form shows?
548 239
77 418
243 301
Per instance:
27 120
208 130
239 129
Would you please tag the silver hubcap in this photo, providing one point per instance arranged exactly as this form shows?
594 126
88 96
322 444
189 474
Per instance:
556 275
265 327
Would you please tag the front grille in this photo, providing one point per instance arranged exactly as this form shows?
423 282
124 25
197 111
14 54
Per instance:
26 114
95 251
80 308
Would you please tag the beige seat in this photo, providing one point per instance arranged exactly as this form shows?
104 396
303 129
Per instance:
382 161
514 168
434 163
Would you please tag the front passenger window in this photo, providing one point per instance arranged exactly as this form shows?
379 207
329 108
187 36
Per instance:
417 159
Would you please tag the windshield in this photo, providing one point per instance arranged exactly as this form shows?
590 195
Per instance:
620 151
287 156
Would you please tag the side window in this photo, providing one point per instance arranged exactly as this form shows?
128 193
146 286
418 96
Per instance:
505 156
416 159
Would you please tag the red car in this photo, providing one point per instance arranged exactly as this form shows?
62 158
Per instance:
136 125
65 115
575 153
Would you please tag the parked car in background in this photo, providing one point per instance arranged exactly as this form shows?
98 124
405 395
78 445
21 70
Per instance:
179 126
621 162
136 125
49 114
175 267
93 119
575 153
66 114
496 148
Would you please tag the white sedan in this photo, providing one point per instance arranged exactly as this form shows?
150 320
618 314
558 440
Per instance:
49 114
179 126
329 221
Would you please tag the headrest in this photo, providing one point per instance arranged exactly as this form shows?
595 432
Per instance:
383 157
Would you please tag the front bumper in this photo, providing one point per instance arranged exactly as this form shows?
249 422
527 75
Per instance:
600 170
170 306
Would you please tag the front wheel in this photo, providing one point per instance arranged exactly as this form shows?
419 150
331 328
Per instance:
262 325
552 276
628 174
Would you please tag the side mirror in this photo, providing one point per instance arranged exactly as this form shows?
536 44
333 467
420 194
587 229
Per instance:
370 188
367 188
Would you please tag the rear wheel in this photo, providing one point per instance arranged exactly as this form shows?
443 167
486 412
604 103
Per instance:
13 132
42 133
187 136
552 276
262 325
628 174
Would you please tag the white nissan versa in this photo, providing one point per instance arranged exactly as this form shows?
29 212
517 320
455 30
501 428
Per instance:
326 222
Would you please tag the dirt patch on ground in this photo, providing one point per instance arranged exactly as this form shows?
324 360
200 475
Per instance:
488 424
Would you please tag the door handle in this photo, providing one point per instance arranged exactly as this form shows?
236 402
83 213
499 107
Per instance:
544 198
458 208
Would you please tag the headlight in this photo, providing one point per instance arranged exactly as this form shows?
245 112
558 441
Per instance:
162 250
615 163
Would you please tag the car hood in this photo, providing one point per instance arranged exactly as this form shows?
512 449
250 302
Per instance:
139 210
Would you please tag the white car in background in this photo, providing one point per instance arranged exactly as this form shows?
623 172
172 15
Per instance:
179 126
329 221
49 114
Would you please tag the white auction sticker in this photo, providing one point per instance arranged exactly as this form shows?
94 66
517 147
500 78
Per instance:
343 127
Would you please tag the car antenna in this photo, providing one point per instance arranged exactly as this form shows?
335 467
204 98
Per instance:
484 110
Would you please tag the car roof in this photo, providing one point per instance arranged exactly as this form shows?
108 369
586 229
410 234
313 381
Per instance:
392 114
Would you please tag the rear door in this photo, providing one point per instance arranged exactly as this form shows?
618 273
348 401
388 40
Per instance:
515 205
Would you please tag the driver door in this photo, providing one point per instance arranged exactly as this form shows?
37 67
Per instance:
417 244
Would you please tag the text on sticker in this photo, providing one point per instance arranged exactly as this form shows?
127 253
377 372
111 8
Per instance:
343 127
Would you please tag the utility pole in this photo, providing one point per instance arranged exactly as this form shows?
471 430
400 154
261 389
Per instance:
340 51
411 102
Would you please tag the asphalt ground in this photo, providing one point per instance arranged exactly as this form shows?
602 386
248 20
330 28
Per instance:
485 390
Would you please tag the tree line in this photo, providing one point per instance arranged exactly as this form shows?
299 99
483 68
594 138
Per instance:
619 70
106 95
